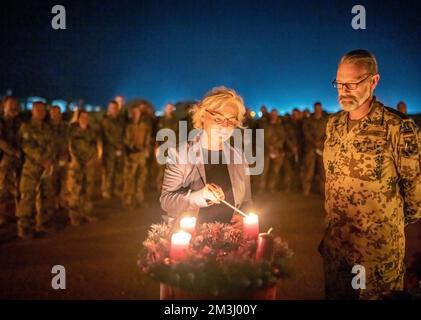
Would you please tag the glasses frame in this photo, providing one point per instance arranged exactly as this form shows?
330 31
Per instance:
225 122
349 85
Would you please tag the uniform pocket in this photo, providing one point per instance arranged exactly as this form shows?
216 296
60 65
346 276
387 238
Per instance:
369 145
368 155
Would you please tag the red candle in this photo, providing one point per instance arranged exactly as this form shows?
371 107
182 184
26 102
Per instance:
179 244
264 249
251 226
188 224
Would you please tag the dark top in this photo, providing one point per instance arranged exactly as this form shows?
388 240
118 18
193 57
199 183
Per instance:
217 173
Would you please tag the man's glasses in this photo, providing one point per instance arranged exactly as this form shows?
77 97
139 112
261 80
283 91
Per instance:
349 85
222 121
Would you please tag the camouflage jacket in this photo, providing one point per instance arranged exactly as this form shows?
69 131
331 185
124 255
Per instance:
112 132
314 132
168 123
137 137
294 130
61 139
9 136
373 186
36 142
275 137
82 144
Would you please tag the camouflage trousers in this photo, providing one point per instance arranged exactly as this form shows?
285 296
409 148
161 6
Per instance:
35 195
291 173
135 175
9 187
81 188
58 185
270 176
112 181
378 280
312 166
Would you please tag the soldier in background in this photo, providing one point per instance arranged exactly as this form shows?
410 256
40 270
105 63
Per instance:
148 116
120 103
275 144
60 131
168 121
113 154
306 114
84 153
294 152
401 107
314 129
372 158
38 148
122 111
10 160
264 118
137 144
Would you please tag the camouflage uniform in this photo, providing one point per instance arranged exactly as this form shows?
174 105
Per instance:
152 121
113 157
164 123
262 121
373 189
10 166
292 165
137 142
314 135
37 146
275 144
58 179
81 172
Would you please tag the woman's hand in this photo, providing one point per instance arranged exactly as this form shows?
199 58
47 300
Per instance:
213 193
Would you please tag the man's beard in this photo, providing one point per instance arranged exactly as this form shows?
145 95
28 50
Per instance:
351 103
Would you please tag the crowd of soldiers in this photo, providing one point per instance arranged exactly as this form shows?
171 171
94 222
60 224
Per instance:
293 150
52 161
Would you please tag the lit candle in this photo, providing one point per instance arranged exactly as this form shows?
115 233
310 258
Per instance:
251 226
179 245
188 224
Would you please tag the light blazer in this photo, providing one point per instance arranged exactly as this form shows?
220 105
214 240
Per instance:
185 177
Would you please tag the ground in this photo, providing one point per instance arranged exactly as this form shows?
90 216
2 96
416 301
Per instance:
100 259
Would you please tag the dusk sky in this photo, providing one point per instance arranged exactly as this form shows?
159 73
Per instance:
279 53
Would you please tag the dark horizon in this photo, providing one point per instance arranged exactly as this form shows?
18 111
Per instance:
279 53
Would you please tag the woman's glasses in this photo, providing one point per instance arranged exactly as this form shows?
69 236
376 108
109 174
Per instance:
222 121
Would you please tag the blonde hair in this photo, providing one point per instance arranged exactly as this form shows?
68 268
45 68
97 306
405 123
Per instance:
362 58
215 100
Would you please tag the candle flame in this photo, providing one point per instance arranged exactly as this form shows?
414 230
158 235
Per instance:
251 218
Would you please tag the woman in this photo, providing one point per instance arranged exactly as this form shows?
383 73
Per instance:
212 169
84 152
